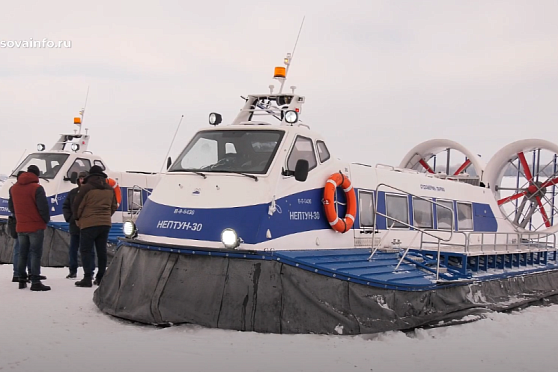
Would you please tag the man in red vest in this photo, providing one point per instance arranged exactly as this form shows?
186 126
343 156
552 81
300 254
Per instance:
29 204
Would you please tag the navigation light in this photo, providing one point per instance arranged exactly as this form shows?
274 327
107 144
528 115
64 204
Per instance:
280 72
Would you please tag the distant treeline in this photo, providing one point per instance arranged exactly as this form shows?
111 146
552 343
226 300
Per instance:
511 171
546 172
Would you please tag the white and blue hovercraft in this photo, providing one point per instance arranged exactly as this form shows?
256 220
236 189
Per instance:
257 227
59 168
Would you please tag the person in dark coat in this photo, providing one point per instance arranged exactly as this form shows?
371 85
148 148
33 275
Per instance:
74 229
93 207
29 203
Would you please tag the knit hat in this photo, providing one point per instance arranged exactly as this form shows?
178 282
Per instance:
96 171
34 169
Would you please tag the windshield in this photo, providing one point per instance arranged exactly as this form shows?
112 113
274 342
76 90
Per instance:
49 164
235 151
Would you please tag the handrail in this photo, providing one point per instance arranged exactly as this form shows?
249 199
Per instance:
532 240
423 231
376 213
406 251
135 187
396 169
464 245
548 239
135 212
385 166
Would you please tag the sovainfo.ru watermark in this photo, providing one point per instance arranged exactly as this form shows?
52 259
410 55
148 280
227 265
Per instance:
35 44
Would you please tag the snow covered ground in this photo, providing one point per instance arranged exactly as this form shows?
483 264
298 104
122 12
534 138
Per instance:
62 330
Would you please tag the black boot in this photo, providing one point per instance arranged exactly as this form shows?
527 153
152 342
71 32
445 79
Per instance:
41 277
38 286
85 282
22 284
15 279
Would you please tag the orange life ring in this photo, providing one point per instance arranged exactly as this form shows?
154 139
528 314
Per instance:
117 192
339 224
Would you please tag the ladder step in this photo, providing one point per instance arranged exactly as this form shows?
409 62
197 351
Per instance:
415 258
388 249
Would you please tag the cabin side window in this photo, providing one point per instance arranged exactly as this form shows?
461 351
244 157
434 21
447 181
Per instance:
444 215
397 207
464 216
422 213
366 209
302 149
323 152
100 164
80 165
135 199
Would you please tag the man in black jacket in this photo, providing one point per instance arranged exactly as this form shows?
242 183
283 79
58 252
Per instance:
74 229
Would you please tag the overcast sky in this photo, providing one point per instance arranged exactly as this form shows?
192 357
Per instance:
379 76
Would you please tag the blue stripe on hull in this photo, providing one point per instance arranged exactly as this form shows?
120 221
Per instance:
295 213
56 207
4 211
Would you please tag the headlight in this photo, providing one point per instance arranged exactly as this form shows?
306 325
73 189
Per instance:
215 118
230 239
130 230
291 117
75 147
41 147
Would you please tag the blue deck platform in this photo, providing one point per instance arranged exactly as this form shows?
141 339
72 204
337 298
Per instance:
116 230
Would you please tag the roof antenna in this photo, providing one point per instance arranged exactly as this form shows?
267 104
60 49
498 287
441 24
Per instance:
79 121
290 57
167 159
19 161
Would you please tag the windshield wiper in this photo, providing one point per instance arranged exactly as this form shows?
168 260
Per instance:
44 178
191 171
244 174
247 175
235 172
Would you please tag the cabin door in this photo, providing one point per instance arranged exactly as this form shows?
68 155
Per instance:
364 226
